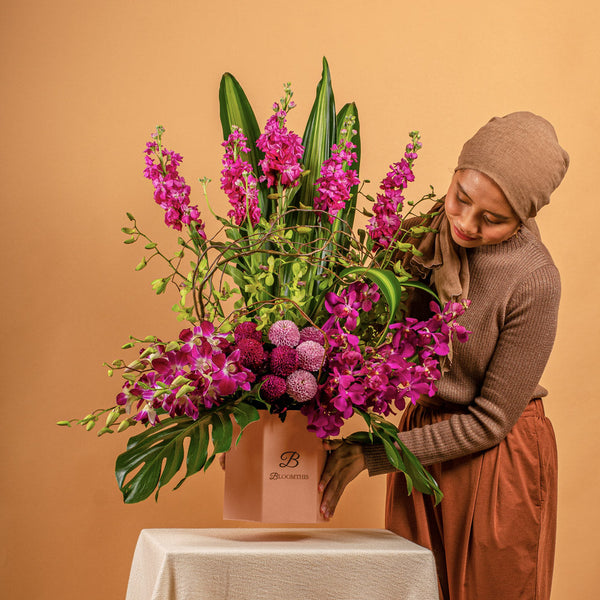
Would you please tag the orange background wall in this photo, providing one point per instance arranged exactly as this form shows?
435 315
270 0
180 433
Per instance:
84 84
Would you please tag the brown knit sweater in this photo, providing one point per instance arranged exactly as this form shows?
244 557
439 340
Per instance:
514 292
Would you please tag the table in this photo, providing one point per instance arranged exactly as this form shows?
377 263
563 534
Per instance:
290 563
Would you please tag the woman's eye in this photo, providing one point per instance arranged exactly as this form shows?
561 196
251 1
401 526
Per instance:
489 221
461 200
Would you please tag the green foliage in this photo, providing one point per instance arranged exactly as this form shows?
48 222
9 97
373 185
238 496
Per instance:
384 432
154 456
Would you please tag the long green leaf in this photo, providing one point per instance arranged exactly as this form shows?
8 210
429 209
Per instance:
398 454
423 480
318 138
235 109
422 286
319 135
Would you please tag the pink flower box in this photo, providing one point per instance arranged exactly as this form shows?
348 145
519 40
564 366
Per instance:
273 473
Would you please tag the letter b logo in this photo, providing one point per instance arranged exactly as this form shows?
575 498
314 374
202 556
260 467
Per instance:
290 459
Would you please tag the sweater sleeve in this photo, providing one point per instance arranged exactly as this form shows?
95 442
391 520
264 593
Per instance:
516 366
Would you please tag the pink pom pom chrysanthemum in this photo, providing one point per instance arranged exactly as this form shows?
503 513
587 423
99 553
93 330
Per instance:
284 333
302 386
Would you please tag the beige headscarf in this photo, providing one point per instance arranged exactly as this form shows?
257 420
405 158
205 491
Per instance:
521 153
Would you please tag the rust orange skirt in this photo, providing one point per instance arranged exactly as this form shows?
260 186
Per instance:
493 534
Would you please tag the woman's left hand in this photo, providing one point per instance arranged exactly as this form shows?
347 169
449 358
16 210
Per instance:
344 462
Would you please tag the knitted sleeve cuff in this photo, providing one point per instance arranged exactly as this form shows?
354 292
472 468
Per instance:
376 460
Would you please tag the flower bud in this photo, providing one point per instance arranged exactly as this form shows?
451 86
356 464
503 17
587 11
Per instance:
180 380
90 425
113 415
64 423
184 389
123 425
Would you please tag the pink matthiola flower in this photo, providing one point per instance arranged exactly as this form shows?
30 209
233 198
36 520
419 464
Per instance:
386 220
283 150
238 181
336 180
170 190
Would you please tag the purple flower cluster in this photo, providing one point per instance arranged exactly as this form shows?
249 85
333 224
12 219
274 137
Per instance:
170 190
197 371
381 379
238 181
346 306
293 362
383 226
336 180
283 150
285 364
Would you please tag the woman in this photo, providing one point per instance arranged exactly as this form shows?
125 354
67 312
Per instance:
484 436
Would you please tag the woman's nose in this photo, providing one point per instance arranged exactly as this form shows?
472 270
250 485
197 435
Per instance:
469 223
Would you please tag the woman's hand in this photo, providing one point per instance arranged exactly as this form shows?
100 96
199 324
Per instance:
344 462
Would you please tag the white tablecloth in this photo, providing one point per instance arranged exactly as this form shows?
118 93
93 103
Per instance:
268 564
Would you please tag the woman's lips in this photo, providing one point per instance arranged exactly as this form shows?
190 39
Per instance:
462 236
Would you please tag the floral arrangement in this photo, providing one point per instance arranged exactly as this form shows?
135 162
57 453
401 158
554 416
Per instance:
289 306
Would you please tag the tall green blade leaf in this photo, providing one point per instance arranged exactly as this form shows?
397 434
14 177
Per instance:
318 138
319 135
235 109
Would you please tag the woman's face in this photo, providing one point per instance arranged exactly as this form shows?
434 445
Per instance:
478 211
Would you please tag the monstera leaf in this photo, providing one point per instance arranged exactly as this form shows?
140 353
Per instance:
157 454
